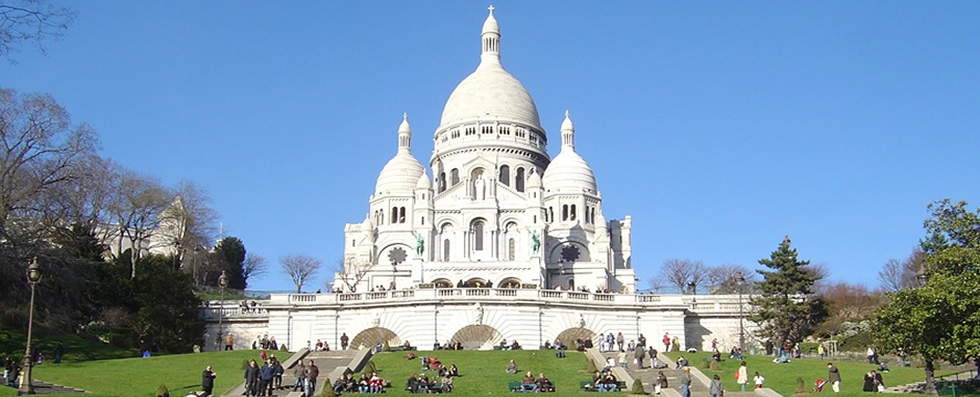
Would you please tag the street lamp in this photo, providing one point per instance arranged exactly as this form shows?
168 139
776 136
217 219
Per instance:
739 281
33 276
222 282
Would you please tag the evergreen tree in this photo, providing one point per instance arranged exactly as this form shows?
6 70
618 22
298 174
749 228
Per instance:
230 254
785 308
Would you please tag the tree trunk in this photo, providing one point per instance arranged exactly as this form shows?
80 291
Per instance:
930 375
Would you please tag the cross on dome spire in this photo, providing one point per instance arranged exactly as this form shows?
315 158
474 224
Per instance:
490 38
404 134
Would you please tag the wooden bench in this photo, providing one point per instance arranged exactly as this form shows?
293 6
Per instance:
515 387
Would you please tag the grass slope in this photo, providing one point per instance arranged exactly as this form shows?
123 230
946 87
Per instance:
139 377
782 377
76 348
482 372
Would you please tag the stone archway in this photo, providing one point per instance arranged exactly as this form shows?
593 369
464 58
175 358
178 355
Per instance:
477 337
510 282
475 282
569 336
442 283
373 336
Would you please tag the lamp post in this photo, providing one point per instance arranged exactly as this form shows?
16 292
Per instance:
739 281
33 276
222 282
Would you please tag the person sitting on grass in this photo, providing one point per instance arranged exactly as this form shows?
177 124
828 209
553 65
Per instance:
362 383
544 384
375 383
423 385
447 383
453 371
511 367
412 383
514 345
528 384
504 345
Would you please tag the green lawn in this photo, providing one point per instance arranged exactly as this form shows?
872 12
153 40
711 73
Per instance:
782 377
483 371
76 348
138 377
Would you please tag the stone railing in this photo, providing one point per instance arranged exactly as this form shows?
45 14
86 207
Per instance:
705 304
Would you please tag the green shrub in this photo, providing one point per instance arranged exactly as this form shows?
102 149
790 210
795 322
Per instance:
706 363
162 392
675 345
808 348
638 387
800 386
369 367
386 347
714 366
327 389
589 365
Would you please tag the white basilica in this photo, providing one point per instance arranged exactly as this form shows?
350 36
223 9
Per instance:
503 242
498 211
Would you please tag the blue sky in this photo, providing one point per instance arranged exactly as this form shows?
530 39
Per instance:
719 126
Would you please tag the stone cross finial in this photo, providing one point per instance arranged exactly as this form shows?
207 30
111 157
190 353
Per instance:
491 9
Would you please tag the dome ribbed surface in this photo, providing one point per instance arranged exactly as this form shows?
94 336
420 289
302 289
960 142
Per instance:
401 173
568 172
490 93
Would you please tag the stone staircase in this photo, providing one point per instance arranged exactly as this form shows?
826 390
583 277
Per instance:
327 361
699 381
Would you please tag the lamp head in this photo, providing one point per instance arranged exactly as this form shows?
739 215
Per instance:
34 271
223 279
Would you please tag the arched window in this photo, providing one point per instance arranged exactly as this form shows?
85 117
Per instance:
564 212
454 177
381 217
442 182
571 213
519 179
504 175
551 214
593 214
445 250
477 231
394 215
401 215
510 249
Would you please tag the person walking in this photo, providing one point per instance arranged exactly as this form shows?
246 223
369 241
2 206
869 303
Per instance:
311 373
229 341
742 375
666 342
686 382
716 389
833 377
299 372
343 341
207 380
251 379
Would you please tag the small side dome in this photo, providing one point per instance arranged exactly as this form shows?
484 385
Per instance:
534 179
423 182
568 172
402 172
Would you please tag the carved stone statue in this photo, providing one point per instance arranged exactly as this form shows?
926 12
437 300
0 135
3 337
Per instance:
535 241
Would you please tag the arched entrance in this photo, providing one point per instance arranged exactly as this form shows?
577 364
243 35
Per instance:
372 336
475 282
569 336
477 337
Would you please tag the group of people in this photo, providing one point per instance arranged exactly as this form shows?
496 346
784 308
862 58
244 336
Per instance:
366 384
11 371
421 384
605 381
260 381
541 384
509 346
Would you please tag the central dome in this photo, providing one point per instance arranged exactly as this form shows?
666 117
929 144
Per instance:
490 93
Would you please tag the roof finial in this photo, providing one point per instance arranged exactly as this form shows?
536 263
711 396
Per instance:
491 9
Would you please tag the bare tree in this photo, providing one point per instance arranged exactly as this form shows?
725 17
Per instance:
136 211
681 273
724 279
39 150
300 268
895 275
31 20
254 265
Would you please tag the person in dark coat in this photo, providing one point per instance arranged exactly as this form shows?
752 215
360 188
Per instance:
869 382
833 377
207 380
252 379
266 373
